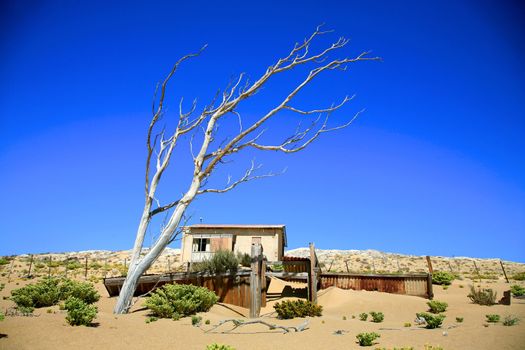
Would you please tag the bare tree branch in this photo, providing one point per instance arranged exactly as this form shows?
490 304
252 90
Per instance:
158 113
248 176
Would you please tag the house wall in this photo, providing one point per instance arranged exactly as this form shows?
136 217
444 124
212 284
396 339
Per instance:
243 244
271 240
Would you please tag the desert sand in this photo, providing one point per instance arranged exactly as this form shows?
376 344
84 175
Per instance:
47 329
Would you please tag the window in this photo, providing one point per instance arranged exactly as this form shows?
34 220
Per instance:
201 244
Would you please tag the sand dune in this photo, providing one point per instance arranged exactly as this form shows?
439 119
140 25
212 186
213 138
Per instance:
48 329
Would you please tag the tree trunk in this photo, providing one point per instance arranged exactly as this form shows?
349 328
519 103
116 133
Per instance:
137 269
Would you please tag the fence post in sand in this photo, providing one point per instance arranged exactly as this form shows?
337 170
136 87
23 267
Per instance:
504 272
477 270
30 266
313 274
49 266
430 291
86 269
255 281
429 263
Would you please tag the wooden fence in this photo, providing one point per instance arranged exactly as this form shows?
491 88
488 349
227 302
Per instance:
308 270
409 284
232 289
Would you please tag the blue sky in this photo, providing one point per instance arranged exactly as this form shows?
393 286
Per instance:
435 165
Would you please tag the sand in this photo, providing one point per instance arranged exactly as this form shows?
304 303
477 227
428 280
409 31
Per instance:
49 330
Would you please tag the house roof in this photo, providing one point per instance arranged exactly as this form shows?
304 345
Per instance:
215 226
233 226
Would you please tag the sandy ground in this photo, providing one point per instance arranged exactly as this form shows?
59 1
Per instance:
49 330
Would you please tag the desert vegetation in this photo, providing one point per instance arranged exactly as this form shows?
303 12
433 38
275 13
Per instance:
297 308
482 296
367 339
179 300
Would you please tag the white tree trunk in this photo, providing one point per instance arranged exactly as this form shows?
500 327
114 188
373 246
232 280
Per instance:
140 266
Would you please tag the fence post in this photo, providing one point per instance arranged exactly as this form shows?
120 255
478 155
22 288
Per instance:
30 266
49 266
450 266
346 263
255 281
429 263
86 269
477 270
313 274
430 292
263 282
504 272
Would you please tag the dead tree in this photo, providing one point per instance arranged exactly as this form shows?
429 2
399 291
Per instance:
208 155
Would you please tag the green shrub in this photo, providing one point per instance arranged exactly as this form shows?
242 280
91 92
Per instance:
180 299
297 308
49 291
2 316
277 267
510 321
207 322
151 319
95 265
73 264
520 276
437 307
433 321
492 318
367 339
459 319
216 346
407 324
220 262
442 277
79 313
377 317
41 294
2 286
482 296
81 290
517 290
363 316
4 261
244 259
25 310
196 320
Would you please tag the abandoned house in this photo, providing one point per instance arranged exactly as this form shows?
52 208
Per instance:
200 242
